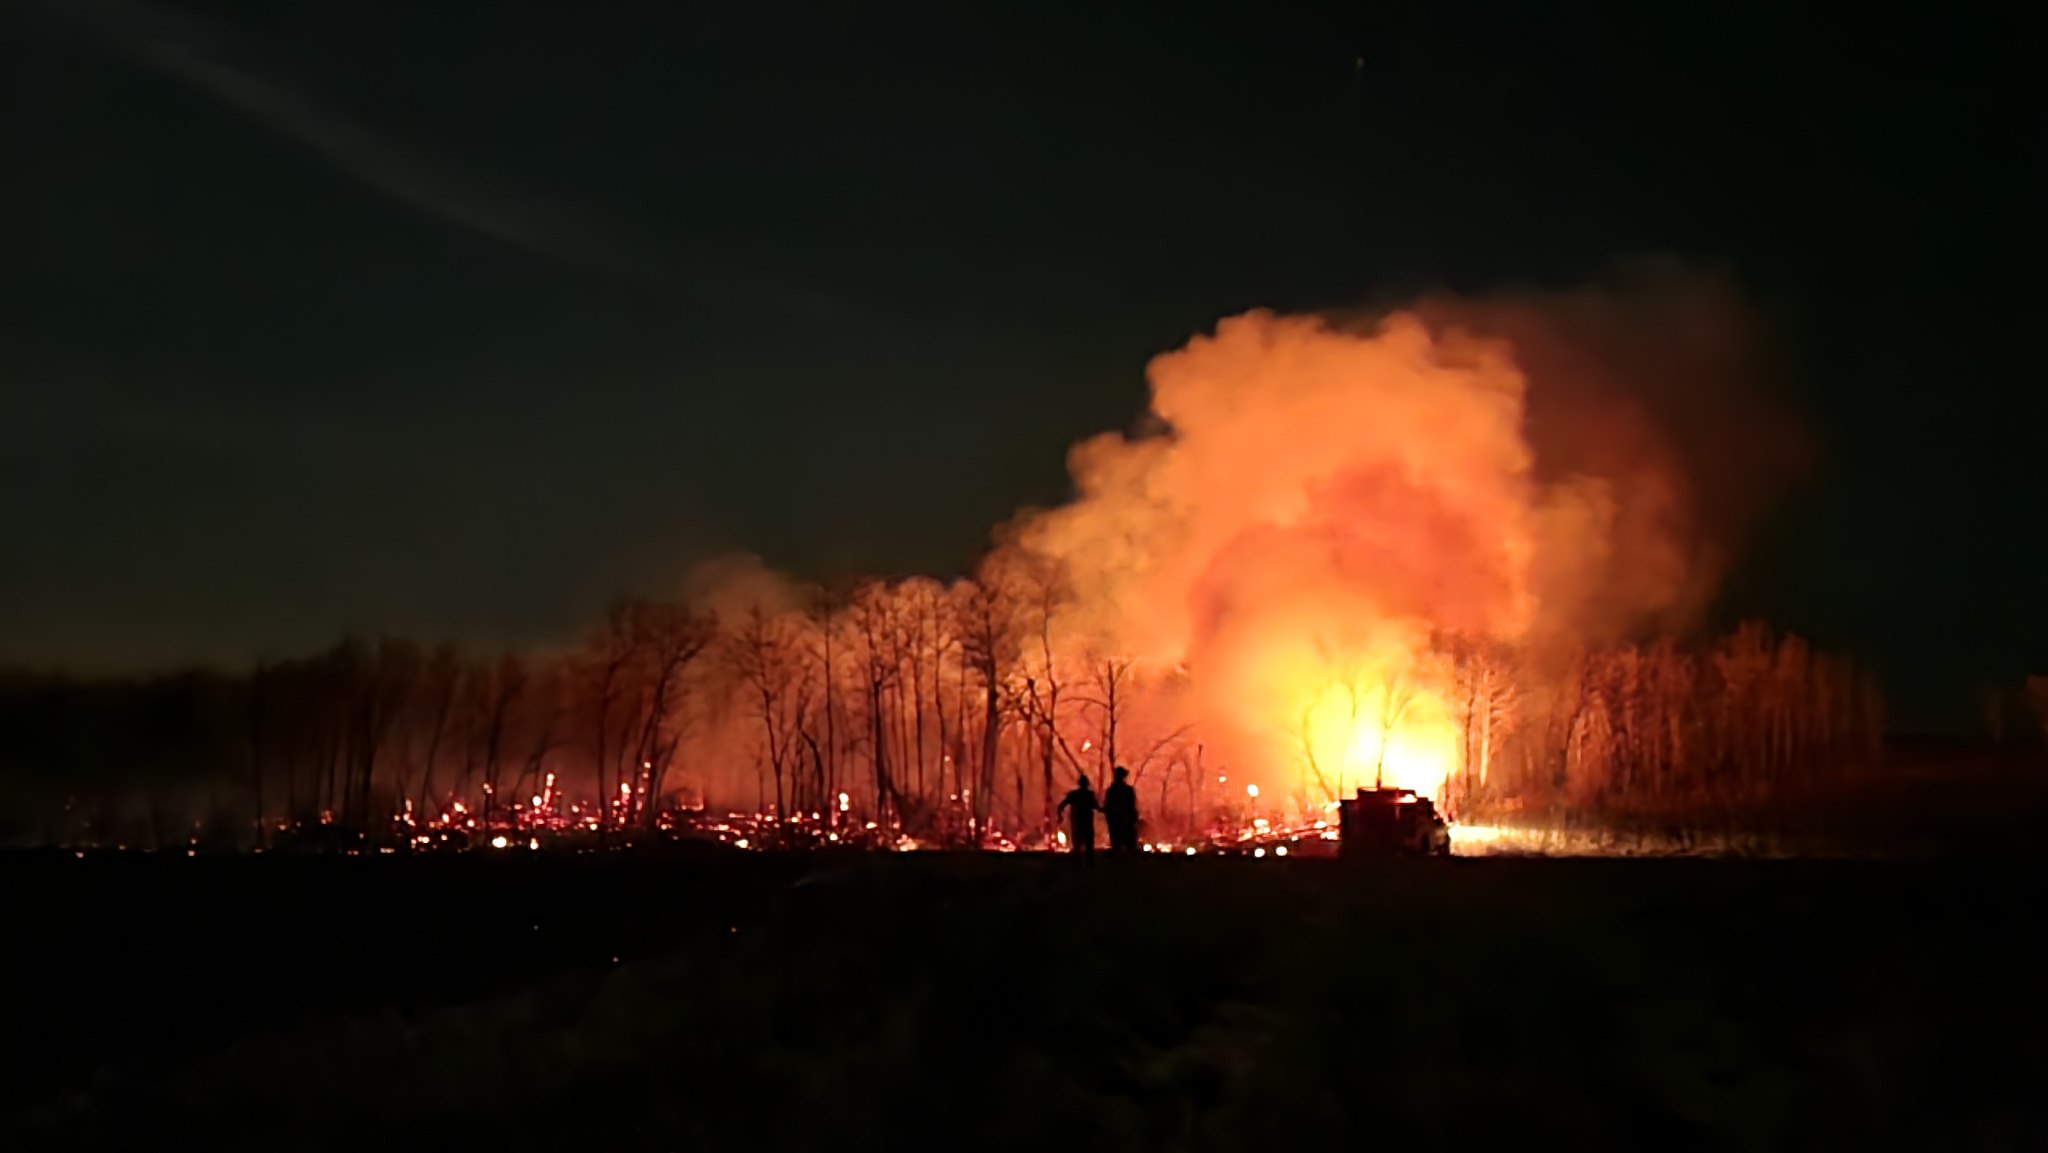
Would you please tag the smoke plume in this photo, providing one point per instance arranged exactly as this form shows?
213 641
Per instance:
1327 499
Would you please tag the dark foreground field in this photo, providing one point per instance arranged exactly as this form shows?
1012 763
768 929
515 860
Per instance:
913 1001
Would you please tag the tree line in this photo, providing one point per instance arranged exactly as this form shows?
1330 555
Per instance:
1662 727
951 712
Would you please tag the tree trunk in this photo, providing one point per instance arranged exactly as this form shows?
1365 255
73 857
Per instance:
991 734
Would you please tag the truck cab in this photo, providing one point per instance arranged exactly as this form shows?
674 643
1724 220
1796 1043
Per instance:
1391 822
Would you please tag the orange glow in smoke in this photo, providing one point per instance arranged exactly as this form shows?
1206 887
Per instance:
1328 502
1375 729
1321 511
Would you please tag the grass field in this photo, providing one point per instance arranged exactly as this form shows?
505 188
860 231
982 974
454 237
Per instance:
762 1002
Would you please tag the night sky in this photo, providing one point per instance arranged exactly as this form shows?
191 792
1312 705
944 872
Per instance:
456 318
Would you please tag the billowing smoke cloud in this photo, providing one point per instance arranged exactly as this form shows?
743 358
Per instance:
1331 498
1659 385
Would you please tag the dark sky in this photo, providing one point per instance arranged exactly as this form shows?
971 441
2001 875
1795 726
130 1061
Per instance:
457 317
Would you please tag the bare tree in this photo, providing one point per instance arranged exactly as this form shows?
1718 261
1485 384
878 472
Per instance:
383 691
769 664
1108 696
825 760
441 682
671 637
938 643
873 618
1041 697
508 681
984 614
611 657
1488 699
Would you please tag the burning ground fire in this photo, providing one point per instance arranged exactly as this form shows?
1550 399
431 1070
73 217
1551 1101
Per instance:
536 825
524 829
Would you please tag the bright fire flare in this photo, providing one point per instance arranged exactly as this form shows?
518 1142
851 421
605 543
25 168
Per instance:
1365 736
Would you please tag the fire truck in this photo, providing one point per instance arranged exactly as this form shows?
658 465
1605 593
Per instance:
1391 822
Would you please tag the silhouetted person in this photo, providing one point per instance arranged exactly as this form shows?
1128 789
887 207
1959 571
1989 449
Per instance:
1079 806
1120 809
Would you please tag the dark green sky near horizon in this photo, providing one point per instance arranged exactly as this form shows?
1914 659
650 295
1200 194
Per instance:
458 318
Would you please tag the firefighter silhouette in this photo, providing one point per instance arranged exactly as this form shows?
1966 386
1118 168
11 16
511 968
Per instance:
1079 807
1120 810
